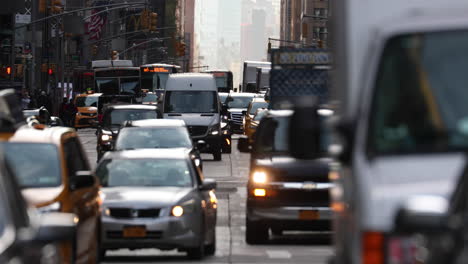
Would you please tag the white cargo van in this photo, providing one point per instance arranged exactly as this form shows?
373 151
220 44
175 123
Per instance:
400 72
193 97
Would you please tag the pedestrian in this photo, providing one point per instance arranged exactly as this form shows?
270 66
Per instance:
71 111
42 99
63 110
25 100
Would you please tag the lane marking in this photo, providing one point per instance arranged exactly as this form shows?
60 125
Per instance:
278 254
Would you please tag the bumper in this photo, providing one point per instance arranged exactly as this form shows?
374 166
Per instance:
163 233
236 127
85 121
293 217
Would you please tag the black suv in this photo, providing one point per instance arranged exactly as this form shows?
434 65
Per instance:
283 193
112 120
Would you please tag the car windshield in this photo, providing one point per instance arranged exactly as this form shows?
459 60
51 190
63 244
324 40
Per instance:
221 82
153 137
129 85
222 97
33 170
85 101
191 102
150 98
28 113
107 85
239 101
420 99
258 105
144 173
118 116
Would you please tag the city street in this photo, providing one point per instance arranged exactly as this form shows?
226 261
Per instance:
231 174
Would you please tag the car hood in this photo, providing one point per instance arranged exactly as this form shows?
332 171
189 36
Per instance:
392 180
41 196
196 119
144 196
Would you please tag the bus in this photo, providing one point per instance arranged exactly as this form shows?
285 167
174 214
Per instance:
223 80
117 81
154 76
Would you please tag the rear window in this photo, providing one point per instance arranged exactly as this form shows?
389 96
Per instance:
153 137
118 116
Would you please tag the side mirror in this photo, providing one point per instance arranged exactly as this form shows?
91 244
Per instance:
345 134
208 184
305 130
243 144
55 227
201 144
423 214
82 179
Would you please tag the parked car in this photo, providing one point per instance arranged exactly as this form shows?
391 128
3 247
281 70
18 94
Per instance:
54 176
157 199
283 193
158 133
193 97
236 104
113 118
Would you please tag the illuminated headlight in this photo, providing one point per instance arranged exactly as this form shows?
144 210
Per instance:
197 162
223 125
54 207
107 212
183 208
106 137
216 132
259 177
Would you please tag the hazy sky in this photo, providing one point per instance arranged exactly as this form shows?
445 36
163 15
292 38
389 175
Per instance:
227 34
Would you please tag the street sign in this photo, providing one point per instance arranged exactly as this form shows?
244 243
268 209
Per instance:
22 19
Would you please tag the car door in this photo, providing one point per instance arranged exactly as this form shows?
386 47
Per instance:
84 201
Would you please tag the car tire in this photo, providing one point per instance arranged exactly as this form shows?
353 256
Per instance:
196 253
227 150
217 155
210 249
255 232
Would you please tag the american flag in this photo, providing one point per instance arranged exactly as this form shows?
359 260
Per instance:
96 25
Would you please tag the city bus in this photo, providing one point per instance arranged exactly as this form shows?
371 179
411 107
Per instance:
117 81
223 80
154 76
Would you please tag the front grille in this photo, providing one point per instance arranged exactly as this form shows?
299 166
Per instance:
197 130
237 118
149 235
294 197
89 114
133 213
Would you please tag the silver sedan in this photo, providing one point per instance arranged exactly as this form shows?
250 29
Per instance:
156 199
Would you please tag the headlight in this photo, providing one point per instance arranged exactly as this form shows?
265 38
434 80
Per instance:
214 130
107 212
177 211
106 137
223 125
259 177
197 162
54 207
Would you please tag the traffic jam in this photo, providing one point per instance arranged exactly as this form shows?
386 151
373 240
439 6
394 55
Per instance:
353 152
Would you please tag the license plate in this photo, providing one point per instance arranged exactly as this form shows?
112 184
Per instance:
309 215
134 231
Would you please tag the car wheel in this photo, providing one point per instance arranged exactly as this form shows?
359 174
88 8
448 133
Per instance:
227 150
217 155
210 249
196 253
255 232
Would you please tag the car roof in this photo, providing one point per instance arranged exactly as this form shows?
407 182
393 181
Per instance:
191 81
242 94
51 135
170 153
156 123
132 106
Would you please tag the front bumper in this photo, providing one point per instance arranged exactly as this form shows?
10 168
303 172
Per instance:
292 217
163 233
84 121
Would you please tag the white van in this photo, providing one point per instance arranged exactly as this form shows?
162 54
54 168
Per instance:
193 97
400 68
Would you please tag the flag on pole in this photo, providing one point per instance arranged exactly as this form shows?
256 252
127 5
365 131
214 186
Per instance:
98 20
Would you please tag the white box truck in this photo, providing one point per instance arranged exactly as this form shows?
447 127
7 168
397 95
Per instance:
249 75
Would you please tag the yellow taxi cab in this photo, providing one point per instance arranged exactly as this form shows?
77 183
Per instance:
253 124
256 103
87 109
54 175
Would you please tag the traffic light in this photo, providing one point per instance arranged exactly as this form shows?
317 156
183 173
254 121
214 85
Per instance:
50 71
153 25
115 55
144 19
8 70
42 6
56 7
94 50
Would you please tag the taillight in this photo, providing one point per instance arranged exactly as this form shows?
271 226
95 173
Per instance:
372 248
